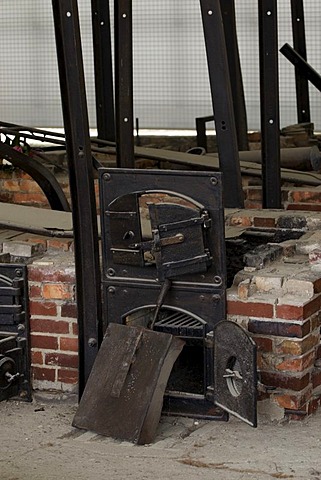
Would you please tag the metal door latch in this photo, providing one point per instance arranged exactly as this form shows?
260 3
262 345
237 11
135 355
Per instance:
7 377
157 243
233 374
11 378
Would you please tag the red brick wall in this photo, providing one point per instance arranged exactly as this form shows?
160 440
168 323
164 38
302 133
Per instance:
293 198
18 187
53 322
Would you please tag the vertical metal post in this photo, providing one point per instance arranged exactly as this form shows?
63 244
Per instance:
222 103
233 57
124 84
299 43
103 69
84 215
201 139
270 116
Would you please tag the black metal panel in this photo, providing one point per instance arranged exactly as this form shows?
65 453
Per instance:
14 332
222 102
103 69
301 65
75 115
233 57
235 371
302 86
124 84
203 189
206 303
270 115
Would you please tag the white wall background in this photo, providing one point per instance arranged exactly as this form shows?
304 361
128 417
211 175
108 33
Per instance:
171 85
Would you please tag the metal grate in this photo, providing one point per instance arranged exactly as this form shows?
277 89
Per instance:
181 324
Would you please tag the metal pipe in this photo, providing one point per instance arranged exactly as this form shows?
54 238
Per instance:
299 158
301 65
37 230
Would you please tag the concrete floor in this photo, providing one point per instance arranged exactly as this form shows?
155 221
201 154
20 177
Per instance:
38 443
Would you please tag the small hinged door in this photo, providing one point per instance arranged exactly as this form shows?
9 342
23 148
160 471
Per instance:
178 239
125 230
235 372
11 365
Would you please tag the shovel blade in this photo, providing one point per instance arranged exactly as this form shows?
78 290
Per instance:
123 397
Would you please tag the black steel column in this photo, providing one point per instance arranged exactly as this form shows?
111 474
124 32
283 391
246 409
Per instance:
299 43
233 57
84 216
222 103
270 116
124 84
103 69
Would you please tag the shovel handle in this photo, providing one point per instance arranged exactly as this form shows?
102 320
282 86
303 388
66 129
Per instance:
161 297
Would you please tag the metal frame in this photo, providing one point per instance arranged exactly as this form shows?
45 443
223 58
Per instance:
270 115
84 215
222 102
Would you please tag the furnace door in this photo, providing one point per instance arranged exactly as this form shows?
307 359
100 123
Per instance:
235 372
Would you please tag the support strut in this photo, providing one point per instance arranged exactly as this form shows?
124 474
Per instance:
74 106
233 57
301 65
299 42
222 102
124 84
103 70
